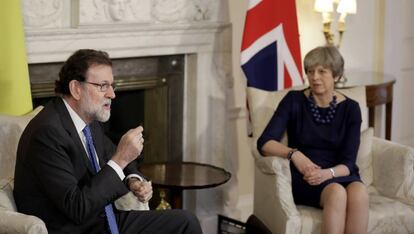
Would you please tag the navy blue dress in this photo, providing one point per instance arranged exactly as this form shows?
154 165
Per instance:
327 145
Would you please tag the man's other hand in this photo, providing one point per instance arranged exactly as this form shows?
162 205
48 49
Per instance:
141 189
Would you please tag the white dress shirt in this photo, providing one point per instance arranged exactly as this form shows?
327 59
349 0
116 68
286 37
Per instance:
80 125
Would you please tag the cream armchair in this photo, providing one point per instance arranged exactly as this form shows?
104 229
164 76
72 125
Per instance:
11 221
386 167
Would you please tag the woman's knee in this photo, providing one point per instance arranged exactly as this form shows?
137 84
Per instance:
334 194
357 193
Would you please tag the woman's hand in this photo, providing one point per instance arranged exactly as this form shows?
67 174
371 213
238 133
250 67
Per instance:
303 163
317 176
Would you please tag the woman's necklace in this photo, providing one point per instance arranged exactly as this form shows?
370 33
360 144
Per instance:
317 116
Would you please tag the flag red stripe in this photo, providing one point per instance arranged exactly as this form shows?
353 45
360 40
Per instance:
260 20
265 16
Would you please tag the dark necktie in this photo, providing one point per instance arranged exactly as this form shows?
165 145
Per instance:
110 216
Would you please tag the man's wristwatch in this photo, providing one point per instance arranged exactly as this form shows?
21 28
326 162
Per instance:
290 154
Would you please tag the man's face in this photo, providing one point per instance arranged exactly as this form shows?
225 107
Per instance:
94 103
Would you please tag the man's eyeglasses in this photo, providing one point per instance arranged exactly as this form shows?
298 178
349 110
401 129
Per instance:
102 87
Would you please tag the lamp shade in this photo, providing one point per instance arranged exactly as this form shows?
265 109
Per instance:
347 6
323 6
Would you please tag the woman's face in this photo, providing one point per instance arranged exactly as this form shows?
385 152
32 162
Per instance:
321 80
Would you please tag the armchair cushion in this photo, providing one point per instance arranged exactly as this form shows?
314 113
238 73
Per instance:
11 128
393 165
388 215
6 195
364 157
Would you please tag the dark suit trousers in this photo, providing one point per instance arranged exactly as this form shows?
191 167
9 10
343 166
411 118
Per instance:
152 221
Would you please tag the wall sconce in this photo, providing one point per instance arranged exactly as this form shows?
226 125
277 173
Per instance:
326 7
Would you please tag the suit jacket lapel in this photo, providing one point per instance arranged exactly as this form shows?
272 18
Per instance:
68 124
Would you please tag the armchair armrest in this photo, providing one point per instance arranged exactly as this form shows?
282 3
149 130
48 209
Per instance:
271 165
393 169
14 222
273 199
278 168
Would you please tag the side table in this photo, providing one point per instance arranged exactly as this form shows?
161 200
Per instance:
177 176
379 91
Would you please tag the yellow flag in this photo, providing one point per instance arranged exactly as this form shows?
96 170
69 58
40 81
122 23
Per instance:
15 95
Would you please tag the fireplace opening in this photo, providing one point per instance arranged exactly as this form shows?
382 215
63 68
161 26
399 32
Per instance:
126 113
150 93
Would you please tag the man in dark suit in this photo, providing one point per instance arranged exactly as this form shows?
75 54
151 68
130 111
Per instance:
68 173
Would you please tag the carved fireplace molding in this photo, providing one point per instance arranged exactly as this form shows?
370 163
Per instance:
199 29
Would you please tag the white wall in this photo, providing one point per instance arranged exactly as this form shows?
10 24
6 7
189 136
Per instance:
377 38
399 57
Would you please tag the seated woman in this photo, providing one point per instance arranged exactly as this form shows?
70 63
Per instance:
323 129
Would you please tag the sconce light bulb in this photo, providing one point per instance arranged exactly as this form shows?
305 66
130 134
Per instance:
342 18
347 6
326 17
323 6
326 8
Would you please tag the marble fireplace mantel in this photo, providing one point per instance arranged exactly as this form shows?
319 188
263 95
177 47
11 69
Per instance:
120 41
199 29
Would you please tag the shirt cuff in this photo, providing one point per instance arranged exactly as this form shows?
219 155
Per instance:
117 169
136 176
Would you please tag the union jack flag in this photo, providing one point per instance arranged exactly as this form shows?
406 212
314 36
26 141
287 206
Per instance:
270 52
